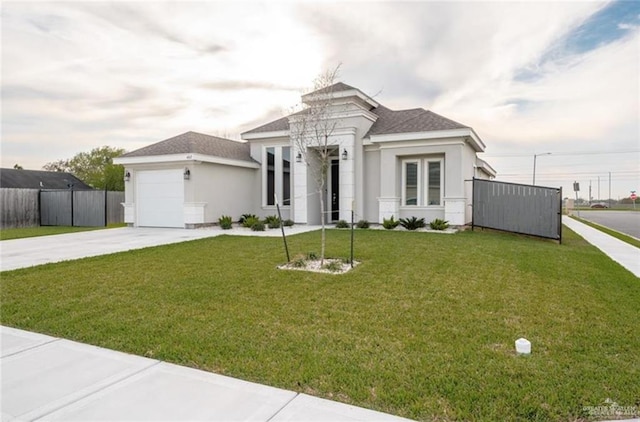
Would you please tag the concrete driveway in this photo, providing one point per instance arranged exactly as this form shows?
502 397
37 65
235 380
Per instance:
22 253
627 222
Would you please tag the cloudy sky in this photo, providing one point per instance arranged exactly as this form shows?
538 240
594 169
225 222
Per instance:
529 77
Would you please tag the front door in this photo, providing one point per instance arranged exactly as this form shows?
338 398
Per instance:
334 184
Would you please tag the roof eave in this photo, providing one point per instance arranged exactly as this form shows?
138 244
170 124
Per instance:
184 159
340 94
467 133
248 136
486 167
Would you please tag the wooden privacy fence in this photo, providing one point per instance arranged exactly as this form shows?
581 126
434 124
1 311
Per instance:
34 207
20 208
525 209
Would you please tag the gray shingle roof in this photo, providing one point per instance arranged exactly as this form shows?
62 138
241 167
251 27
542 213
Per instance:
337 87
274 126
37 179
413 120
389 121
196 143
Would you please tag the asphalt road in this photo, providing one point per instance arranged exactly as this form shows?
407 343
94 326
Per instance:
627 222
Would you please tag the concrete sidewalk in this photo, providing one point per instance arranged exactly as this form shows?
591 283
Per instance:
47 378
623 253
22 253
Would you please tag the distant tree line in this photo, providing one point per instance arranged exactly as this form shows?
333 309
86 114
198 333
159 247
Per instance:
95 168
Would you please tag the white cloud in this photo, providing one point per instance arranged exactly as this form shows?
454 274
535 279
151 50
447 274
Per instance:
80 75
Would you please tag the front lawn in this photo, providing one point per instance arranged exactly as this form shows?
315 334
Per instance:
22 232
423 328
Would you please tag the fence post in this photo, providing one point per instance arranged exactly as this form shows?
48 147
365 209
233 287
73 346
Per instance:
72 219
106 209
39 207
560 215
473 200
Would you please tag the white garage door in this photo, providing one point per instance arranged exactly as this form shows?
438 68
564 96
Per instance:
160 198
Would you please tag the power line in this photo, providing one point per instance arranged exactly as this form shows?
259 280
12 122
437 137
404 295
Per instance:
596 173
566 153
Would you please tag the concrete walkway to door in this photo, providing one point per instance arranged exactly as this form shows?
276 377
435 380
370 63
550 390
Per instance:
22 253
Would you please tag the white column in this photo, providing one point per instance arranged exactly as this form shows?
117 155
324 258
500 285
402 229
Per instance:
454 210
347 178
129 212
299 193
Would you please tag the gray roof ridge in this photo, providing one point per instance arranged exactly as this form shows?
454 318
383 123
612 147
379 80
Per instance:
446 118
259 128
196 143
408 118
209 136
417 116
335 87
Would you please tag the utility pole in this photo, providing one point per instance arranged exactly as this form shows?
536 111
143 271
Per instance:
609 190
599 197
590 197
535 156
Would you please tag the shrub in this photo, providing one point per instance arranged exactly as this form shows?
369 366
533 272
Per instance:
390 223
225 222
288 222
258 226
272 221
245 217
249 221
342 225
362 224
439 224
274 224
312 256
412 223
299 261
333 266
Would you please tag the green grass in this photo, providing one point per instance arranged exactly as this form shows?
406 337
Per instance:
22 232
423 328
628 239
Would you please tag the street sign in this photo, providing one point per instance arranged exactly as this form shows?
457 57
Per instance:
633 197
576 187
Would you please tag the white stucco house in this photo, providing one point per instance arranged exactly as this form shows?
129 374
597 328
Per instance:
385 162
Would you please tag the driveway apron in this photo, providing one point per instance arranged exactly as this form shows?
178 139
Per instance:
22 253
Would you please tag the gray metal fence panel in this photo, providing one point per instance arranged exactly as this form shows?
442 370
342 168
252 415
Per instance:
526 209
56 208
89 208
115 210
19 208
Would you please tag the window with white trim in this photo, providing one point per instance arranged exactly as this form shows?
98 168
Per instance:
422 182
434 182
276 171
410 180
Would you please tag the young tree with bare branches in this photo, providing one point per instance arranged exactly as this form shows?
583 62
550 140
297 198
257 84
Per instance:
311 130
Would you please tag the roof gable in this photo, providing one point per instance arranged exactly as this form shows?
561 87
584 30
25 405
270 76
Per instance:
388 121
196 143
38 179
337 87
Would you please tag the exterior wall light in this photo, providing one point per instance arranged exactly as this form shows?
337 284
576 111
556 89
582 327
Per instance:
127 176
299 157
187 174
345 155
